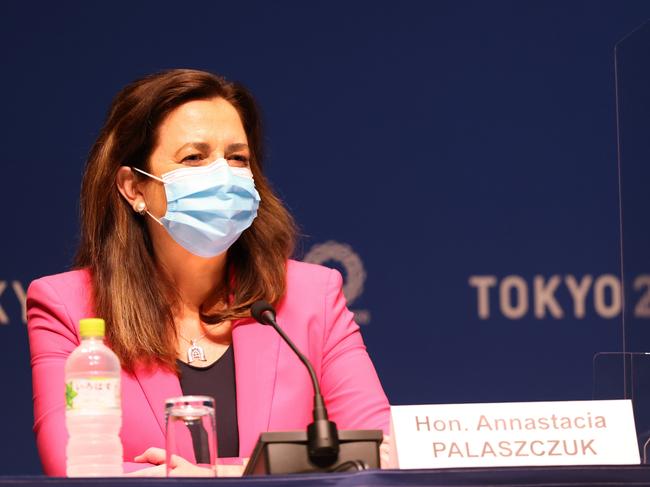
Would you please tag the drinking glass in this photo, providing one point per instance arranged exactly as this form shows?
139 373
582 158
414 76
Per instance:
190 437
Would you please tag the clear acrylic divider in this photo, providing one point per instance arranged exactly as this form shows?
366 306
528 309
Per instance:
626 374
620 375
632 57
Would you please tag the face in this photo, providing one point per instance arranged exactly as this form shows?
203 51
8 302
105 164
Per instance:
195 134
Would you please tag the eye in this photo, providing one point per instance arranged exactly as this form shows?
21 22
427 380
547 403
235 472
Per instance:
238 160
192 159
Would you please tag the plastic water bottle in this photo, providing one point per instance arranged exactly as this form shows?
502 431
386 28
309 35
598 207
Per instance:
93 409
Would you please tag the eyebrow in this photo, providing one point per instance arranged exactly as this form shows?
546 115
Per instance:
205 147
200 146
235 147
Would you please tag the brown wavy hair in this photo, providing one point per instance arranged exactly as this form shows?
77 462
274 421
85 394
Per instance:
130 292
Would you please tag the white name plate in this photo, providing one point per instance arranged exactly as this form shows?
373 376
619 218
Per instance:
514 434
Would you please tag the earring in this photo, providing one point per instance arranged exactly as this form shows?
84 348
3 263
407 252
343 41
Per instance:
140 207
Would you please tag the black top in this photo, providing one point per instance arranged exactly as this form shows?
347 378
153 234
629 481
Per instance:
216 380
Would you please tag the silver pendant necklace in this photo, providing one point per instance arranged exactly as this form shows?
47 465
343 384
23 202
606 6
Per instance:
195 351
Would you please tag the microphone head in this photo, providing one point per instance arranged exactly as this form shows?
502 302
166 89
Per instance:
259 308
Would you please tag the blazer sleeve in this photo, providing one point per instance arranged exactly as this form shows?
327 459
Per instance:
52 337
354 396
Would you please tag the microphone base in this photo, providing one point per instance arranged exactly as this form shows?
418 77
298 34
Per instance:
322 442
280 453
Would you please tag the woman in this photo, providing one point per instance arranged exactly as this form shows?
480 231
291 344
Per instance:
180 234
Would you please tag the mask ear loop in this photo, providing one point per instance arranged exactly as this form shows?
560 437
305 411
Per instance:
157 179
147 174
155 219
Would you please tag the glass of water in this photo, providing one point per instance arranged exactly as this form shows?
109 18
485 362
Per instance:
190 437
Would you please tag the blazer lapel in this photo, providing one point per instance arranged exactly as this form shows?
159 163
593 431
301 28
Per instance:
256 350
256 357
159 385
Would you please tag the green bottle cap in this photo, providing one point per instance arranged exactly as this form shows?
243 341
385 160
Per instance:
92 327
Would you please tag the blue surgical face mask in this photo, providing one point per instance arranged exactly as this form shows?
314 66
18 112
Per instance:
208 207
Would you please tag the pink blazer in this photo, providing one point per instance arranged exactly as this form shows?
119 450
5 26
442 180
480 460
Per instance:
273 388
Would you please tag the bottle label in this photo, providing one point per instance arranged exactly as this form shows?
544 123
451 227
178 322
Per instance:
92 393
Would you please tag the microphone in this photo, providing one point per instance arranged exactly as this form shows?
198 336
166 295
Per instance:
322 434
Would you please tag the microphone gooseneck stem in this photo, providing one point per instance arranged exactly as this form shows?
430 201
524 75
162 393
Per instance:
322 434
320 411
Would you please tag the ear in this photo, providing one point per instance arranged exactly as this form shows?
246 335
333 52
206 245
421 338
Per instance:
127 184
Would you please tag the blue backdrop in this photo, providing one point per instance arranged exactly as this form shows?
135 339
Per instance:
455 159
